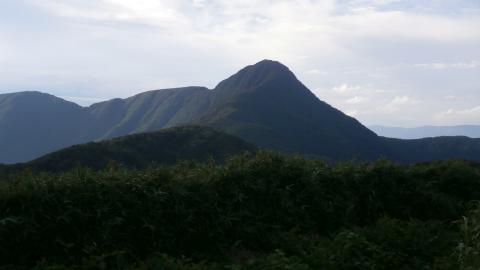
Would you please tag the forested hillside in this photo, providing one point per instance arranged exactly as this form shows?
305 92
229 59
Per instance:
166 146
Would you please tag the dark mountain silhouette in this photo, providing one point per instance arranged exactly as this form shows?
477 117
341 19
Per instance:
436 148
166 146
264 104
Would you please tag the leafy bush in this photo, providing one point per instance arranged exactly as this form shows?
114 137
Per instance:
468 250
263 211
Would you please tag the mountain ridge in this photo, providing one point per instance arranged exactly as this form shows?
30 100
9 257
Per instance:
263 104
472 131
140 150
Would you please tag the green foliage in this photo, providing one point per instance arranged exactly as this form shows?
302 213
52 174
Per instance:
468 249
263 211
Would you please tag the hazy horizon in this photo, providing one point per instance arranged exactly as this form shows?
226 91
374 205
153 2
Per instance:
384 62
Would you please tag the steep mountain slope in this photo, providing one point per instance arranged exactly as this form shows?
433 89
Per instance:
471 131
140 150
264 104
147 111
268 106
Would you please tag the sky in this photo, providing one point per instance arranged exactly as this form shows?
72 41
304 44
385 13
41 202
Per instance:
388 62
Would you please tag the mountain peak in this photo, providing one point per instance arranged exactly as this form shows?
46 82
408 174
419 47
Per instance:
25 94
270 64
256 75
267 68
34 98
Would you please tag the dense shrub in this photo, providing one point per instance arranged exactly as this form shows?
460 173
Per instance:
263 211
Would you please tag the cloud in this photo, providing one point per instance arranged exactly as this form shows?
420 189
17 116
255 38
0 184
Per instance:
352 113
357 100
401 100
236 18
317 72
467 115
459 65
453 112
351 89
355 50
346 88
371 23
154 13
398 102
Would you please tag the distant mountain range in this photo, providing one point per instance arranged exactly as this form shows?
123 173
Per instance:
471 131
263 104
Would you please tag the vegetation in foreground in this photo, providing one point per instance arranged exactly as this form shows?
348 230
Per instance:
263 211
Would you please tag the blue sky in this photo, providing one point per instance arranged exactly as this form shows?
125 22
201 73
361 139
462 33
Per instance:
390 62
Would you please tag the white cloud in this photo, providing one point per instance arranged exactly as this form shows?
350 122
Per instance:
199 3
155 13
352 113
398 102
459 65
352 89
452 112
356 100
275 20
317 72
346 88
350 49
368 22
467 115
401 100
